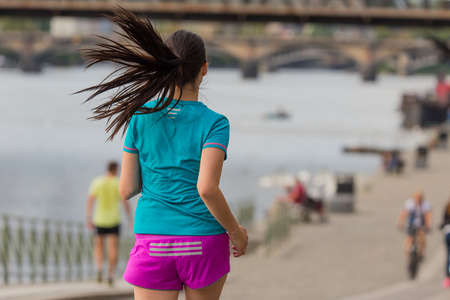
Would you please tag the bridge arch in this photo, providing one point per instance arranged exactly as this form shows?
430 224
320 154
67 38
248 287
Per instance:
325 56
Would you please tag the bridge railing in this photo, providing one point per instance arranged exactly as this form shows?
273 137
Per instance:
42 250
355 4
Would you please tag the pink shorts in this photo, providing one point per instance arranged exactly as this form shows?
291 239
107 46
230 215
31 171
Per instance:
170 262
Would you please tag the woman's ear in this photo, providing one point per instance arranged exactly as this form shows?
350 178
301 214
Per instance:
205 68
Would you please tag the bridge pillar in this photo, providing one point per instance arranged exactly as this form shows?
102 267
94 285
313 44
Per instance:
29 63
368 66
250 59
250 69
272 69
368 72
28 58
403 64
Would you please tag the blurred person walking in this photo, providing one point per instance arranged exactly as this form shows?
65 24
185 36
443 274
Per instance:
442 91
105 219
173 154
445 227
416 213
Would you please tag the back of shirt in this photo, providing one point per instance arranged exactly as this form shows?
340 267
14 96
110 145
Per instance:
107 211
169 145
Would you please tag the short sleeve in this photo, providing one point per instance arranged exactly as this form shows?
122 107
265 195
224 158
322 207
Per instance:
218 136
129 144
426 206
409 205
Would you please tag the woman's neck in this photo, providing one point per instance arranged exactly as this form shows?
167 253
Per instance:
189 94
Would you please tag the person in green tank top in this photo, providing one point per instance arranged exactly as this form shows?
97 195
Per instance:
105 218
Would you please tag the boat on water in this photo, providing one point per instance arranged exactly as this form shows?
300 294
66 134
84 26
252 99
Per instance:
279 114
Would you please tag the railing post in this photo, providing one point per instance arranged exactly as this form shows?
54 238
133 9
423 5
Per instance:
44 251
278 228
68 252
20 245
79 251
32 250
57 245
5 249
245 213
90 254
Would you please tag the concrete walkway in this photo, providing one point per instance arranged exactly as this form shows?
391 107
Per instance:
355 254
352 257
67 291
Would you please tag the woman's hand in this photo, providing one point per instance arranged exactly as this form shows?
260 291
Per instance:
240 241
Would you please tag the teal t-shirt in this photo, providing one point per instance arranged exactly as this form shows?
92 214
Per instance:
169 148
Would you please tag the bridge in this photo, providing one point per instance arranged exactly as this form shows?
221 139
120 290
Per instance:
256 54
31 50
404 56
363 12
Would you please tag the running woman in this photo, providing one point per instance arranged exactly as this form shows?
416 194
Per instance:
173 155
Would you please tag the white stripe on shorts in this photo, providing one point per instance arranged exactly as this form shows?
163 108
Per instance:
175 249
175 244
170 249
175 254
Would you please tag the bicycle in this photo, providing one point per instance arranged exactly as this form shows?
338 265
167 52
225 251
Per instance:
414 256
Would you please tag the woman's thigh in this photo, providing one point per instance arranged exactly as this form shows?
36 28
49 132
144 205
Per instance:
211 292
147 294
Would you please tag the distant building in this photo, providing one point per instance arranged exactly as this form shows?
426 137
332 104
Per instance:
67 27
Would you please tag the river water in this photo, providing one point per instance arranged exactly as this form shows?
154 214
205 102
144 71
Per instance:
50 152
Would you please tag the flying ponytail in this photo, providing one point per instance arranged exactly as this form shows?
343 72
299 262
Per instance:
149 68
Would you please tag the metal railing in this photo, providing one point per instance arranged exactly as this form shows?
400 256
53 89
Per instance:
34 250
245 212
41 250
279 225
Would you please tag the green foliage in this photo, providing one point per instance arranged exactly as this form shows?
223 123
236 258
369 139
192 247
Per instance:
385 67
434 69
223 61
66 59
24 24
320 30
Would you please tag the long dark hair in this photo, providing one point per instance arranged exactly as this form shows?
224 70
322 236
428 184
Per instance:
149 67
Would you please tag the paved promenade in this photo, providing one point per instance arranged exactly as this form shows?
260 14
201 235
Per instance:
352 257
356 256
67 291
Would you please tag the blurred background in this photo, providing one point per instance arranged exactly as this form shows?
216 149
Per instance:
338 94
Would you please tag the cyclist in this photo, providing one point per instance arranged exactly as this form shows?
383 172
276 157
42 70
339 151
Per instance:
417 214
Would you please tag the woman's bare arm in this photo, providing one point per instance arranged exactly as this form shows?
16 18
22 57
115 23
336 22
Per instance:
208 187
130 178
